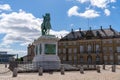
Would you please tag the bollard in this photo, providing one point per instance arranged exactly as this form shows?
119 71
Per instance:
98 69
81 70
62 70
5 65
94 66
113 68
87 66
15 72
40 71
104 66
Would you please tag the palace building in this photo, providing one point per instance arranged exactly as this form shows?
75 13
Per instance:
100 46
30 53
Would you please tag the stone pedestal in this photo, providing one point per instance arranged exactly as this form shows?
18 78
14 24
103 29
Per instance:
46 55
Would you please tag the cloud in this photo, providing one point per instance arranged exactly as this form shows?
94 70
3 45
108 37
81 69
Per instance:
73 11
113 7
98 3
59 34
82 1
5 7
90 10
107 12
89 13
21 27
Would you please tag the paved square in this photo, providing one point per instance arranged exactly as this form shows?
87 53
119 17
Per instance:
69 75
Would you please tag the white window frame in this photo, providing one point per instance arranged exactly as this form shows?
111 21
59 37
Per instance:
89 48
105 58
70 57
111 57
70 50
59 50
118 49
97 48
81 49
64 50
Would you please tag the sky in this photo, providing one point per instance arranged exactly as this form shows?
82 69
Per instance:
20 20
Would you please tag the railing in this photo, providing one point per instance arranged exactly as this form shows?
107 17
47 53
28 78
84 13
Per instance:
34 66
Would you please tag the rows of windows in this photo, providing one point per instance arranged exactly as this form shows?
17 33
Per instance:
89 49
103 41
89 59
82 49
67 43
81 59
110 57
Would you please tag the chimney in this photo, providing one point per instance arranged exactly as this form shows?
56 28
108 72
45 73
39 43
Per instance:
101 27
110 27
90 28
72 30
79 29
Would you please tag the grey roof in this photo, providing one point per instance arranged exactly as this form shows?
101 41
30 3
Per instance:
92 34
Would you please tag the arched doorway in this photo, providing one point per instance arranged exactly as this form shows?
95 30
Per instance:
97 59
81 60
89 59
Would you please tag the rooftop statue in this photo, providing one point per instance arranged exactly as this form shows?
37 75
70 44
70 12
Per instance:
46 26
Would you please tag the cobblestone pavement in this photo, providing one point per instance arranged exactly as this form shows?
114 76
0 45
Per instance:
69 75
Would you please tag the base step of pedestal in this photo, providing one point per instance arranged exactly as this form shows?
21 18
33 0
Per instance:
48 62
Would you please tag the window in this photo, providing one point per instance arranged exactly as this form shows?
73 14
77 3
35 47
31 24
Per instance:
97 59
111 57
74 43
97 49
59 43
70 57
118 49
118 41
104 49
110 41
81 59
75 50
59 50
104 41
110 50
75 56
64 50
81 49
69 43
64 44
64 58
105 58
69 50
119 57
89 48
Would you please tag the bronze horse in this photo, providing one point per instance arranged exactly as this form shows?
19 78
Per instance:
46 26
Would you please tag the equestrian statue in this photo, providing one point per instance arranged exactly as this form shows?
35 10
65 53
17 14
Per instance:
46 26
